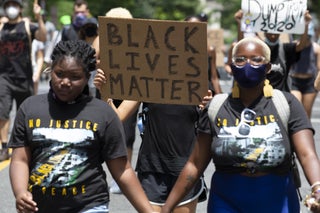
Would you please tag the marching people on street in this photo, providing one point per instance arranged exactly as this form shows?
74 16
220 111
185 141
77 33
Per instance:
303 73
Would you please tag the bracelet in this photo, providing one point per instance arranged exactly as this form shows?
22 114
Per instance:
315 189
315 184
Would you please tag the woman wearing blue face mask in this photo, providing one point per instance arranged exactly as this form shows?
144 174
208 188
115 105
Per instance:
250 144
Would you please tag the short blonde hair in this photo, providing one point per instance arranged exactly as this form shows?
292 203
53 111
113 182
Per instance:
119 12
266 49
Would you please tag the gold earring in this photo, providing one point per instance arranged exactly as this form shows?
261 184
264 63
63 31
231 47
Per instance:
267 89
235 90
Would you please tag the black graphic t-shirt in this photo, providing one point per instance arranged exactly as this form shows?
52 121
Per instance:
253 143
69 143
15 50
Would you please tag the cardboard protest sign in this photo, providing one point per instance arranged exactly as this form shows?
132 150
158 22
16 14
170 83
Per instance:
215 39
154 61
276 16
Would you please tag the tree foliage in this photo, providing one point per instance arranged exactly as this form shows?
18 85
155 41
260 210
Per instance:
153 9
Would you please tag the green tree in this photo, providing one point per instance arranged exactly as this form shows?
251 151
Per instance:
154 9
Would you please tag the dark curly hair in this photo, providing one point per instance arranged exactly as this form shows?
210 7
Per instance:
78 49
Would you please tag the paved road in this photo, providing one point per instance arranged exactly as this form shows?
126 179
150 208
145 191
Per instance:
119 203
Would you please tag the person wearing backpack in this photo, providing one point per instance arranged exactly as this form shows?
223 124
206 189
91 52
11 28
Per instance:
16 73
250 144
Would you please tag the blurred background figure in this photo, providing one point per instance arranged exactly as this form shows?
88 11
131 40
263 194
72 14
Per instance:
38 49
89 32
304 72
79 17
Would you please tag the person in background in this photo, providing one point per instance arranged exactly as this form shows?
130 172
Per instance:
80 14
38 49
130 123
16 72
250 146
51 30
303 73
283 55
213 77
169 132
88 33
60 145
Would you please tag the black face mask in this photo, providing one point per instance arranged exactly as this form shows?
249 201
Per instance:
91 31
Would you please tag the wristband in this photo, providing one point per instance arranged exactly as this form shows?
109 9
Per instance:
315 184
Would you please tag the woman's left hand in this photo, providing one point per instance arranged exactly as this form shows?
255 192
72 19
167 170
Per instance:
312 202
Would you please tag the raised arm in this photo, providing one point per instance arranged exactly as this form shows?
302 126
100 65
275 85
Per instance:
214 72
41 33
302 43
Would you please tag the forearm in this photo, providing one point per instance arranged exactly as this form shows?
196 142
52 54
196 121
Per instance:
188 177
131 187
19 176
216 86
311 168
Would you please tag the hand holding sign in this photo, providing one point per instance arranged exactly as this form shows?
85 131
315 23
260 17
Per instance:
277 16
154 61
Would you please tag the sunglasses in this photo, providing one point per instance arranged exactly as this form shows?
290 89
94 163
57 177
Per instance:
247 116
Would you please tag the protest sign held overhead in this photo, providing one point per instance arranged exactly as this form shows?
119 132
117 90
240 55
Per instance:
276 16
154 61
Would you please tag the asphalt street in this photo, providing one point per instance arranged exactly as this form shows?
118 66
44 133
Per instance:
118 203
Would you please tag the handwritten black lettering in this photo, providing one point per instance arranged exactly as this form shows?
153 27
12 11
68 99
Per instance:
187 36
151 38
194 66
166 38
111 63
175 88
132 66
152 63
113 37
171 64
129 34
134 86
116 80
193 87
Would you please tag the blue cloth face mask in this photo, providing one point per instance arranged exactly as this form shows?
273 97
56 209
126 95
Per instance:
79 20
249 76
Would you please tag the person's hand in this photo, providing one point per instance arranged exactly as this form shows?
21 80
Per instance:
238 16
307 17
205 99
99 79
312 202
25 203
36 10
